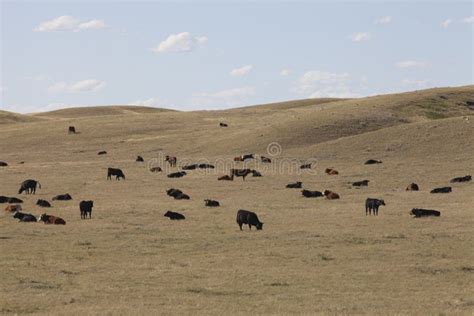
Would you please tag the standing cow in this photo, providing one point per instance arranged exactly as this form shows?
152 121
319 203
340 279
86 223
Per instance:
372 205
72 130
171 160
86 208
250 218
115 172
29 186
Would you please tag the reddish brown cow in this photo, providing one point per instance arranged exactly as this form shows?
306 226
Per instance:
172 160
331 171
330 195
13 208
50 219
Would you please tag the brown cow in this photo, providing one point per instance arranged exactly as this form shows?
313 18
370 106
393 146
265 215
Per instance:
238 158
413 187
226 177
13 208
331 171
50 219
156 169
172 160
330 195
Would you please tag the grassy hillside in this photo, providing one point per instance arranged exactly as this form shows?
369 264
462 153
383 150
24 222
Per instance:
9 118
313 256
78 112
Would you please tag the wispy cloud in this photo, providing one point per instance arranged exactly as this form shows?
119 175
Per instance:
468 20
383 20
180 42
285 72
69 23
223 98
318 84
411 64
446 23
241 71
360 37
88 85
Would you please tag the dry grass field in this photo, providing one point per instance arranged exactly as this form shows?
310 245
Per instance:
313 256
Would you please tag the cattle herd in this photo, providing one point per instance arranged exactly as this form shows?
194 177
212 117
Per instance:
243 216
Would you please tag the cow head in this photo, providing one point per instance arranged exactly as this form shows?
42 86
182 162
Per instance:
21 190
17 215
382 202
42 217
259 226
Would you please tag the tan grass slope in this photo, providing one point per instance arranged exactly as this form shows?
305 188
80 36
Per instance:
313 256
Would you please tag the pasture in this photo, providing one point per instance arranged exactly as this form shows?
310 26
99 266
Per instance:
313 256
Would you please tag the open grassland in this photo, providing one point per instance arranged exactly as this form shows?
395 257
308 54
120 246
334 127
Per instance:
313 256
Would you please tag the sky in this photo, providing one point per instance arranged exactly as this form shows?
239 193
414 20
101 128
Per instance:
213 55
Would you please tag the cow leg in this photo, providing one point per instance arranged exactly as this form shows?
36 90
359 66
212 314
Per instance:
366 211
240 225
250 227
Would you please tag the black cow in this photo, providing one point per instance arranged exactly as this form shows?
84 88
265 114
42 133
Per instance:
29 186
442 190
156 169
174 215
178 174
372 206
86 208
190 167
461 179
102 152
362 183
3 164
177 194
24 217
255 173
43 203
265 159
311 194
295 185
247 156
240 172
139 159
62 197
372 162
305 166
72 130
249 218
3 199
206 166
419 212
115 172
212 203
14 200
223 124
412 187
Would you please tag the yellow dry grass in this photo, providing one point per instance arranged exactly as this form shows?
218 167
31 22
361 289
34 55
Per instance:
313 256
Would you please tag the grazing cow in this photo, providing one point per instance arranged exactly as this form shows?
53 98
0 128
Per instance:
419 212
265 159
115 172
240 172
255 173
372 206
72 130
239 158
177 194
331 195
50 219
311 194
13 200
295 185
103 152
461 179
205 166
13 208
139 159
249 218
226 178
212 203
412 187
24 217
62 197
86 208
171 160
223 124
372 162
156 169
178 174
331 171
3 164
43 203
305 166
442 190
362 183
29 186
174 216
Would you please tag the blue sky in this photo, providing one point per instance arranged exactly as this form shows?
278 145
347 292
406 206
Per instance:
210 55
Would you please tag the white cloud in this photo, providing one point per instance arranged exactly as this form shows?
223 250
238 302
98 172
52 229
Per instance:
361 36
151 102
468 20
69 23
446 23
92 25
285 72
411 64
181 42
242 71
383 20
87 85
224 98
318 84
423 83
